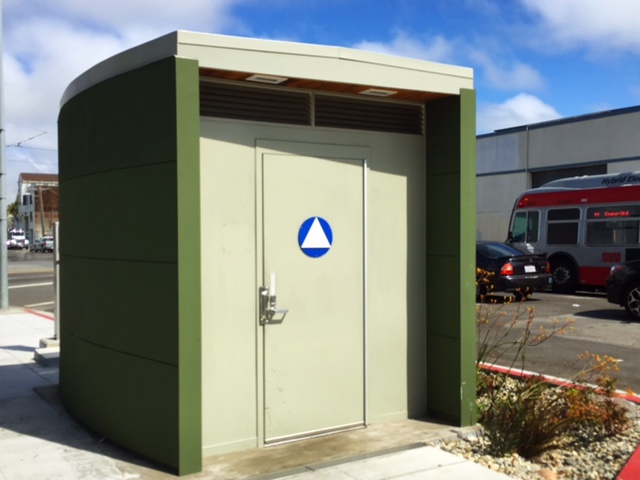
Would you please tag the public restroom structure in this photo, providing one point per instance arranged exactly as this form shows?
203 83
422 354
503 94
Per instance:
264 241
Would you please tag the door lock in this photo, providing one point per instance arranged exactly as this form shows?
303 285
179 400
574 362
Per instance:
269 313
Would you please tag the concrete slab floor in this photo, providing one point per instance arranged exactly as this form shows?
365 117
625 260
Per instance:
290 458
274 461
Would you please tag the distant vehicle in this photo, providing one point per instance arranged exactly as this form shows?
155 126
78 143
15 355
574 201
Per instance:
584 224
506 269
16 239
42 244
623 287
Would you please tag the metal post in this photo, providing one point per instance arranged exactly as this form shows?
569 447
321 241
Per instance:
4 278
56 277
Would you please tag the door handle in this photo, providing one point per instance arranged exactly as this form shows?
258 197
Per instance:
269 313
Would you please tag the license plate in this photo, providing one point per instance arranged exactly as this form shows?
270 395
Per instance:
530 268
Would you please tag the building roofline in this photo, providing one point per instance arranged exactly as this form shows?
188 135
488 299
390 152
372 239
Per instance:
280 58
562 121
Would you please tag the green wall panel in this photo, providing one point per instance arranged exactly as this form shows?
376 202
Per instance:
139 396
125 306
443 230
189 264
128 408
130 278
451 249
126 121
446 287
126 214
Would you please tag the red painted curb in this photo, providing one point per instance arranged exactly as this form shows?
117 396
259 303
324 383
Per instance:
631 469
33 312
561 382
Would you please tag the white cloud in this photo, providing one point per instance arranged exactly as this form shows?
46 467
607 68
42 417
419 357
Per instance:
523 109
48 44
600 25
127 16
437 49
517 76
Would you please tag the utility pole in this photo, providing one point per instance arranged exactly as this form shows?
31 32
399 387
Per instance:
4 277
41 200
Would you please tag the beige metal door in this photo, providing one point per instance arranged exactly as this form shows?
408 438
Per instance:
313 358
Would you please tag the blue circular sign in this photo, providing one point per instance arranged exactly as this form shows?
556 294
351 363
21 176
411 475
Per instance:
315 237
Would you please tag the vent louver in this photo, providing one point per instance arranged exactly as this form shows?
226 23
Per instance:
277 105
343 112
247 103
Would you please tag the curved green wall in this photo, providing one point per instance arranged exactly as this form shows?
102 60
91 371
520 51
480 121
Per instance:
130 268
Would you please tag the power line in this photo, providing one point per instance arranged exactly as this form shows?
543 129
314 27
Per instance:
19 144
33 162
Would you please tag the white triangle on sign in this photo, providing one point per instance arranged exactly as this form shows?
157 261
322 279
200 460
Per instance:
316 238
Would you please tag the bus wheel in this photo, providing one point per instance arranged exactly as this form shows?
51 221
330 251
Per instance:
564 277
632 301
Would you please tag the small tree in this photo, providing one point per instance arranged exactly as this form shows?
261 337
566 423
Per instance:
12 210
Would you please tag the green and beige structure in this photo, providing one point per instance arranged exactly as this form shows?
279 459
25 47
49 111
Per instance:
196 172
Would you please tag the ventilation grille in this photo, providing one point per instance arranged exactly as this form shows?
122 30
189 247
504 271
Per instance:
343 112
247 103
276 105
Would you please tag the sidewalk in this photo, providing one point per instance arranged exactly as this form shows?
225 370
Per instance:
39 440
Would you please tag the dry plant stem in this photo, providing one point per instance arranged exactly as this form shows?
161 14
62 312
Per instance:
497 341
528 416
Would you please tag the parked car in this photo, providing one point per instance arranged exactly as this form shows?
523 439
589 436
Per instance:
42 244
503 268
16 239
623 287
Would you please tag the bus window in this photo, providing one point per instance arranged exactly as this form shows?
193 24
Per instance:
613 225
613 232
525 227
562 226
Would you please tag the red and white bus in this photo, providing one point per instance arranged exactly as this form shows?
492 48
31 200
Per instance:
584 224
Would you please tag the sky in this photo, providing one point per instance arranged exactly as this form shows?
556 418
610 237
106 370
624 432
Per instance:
533 60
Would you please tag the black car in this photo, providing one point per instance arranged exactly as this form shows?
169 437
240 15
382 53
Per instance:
503 268
623 287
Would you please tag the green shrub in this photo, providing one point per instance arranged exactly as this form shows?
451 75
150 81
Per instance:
528 415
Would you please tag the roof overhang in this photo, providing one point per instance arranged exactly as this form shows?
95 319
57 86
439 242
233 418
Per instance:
312 67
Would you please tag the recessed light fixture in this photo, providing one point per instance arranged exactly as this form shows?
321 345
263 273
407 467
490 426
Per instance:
270 79
378 92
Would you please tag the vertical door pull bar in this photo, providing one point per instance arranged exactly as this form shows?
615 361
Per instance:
269 313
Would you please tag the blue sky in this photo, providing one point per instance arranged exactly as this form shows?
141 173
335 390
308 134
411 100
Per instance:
533 60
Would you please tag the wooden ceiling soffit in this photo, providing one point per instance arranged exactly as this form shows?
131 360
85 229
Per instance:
323 86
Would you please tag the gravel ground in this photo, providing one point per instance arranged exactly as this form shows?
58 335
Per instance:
588 460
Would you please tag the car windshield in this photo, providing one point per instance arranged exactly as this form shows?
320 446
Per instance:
496 250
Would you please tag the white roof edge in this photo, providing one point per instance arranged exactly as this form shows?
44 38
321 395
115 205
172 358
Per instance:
267 57
307 49
123 62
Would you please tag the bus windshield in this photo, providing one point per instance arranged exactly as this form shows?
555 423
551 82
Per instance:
525 227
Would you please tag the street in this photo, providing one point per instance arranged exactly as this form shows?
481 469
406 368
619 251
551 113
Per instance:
598 327
31 280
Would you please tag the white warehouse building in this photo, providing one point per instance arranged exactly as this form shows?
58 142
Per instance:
512 160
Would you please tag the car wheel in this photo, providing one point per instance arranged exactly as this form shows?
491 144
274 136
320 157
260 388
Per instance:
632 301
564 277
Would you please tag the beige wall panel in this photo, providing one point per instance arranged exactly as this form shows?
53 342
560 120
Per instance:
502 153
496 195
396 264
228 309
598 140
619 167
